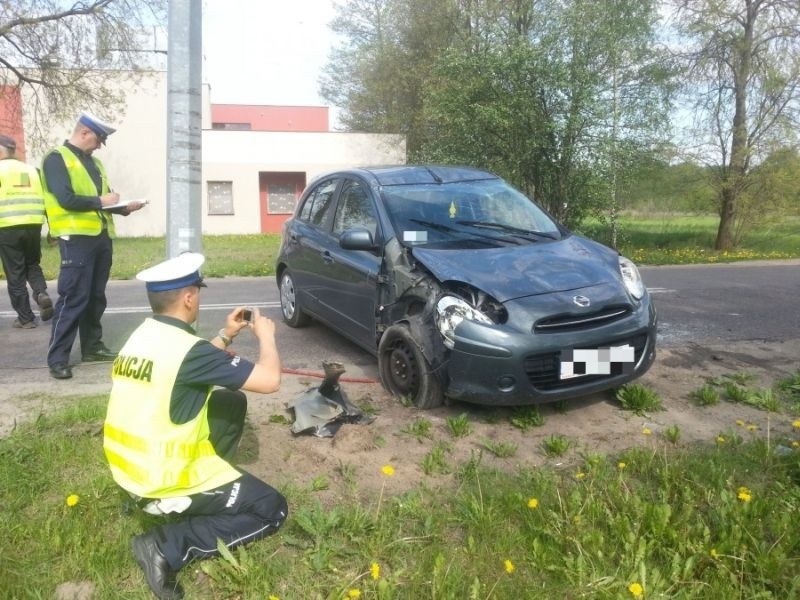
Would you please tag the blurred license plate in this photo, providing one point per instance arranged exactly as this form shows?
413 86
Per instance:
613 360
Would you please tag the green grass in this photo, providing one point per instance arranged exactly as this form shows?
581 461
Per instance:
667 239
226 255
713 521
680 239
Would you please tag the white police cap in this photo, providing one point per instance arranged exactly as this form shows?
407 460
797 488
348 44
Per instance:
100 127
175 273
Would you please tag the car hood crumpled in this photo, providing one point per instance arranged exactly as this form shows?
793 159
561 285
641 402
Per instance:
511 272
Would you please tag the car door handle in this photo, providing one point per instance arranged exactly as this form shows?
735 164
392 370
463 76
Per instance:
326 256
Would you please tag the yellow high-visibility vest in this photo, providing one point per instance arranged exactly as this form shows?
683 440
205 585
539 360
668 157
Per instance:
72 222
21 195
149 455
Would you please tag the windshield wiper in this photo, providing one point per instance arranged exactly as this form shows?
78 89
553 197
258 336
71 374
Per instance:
455 230
508 229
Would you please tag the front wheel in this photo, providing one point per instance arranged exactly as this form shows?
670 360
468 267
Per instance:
293 314
405 372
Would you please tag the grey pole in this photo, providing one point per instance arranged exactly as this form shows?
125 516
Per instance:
184 137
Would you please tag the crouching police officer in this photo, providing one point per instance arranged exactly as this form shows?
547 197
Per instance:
169 436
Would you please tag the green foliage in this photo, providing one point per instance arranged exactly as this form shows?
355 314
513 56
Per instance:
639 398
524 90
735 393
525 417
421 428
556 445
435 461
459 426
715 521
705 396
673 433
500 448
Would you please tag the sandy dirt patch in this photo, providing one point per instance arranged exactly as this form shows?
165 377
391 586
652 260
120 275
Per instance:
593 424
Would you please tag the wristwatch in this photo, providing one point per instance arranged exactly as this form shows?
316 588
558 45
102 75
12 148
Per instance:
225 339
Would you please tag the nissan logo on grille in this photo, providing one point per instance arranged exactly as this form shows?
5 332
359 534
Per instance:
581 301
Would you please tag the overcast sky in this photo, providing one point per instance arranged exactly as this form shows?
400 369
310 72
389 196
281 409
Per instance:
266 51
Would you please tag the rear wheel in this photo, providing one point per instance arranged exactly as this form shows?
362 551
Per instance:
293 314
405 372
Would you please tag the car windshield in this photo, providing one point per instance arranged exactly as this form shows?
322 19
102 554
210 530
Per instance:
466 211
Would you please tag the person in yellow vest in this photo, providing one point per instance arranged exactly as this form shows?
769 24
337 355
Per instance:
79 204
169 436
21 220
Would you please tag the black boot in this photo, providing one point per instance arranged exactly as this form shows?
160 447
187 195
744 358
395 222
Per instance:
160 577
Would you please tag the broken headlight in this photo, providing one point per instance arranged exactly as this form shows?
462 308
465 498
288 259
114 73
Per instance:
450 311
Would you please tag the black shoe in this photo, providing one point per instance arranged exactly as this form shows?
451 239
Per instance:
160 577
45 306
60 371
100 354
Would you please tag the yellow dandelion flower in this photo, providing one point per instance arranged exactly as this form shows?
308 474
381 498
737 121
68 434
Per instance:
354 593
73 499
580 475
713 553
387 470
740 423
646 431
375 570
533 503
273 597
752 427
744 494
509 566
621 465
636 589
795 444
720 439
796 423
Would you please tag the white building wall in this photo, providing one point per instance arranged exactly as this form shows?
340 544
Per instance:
135 158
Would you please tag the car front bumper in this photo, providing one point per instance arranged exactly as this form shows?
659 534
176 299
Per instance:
492 365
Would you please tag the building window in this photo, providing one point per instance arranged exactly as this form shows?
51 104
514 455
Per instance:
281 198
220 197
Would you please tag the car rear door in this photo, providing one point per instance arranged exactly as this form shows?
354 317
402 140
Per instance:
347 286
309 241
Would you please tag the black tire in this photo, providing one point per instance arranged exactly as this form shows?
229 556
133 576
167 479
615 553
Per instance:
291 309
405 372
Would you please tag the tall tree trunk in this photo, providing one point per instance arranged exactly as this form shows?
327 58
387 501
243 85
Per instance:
727 218
740 151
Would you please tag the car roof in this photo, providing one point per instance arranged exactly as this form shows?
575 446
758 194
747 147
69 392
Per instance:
415 174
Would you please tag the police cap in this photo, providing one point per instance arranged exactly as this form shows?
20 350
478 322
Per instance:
100 127
175 273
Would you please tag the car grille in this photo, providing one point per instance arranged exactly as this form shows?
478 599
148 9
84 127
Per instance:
543 370
573 322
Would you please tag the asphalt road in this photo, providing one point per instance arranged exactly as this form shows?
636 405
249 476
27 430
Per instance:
698 303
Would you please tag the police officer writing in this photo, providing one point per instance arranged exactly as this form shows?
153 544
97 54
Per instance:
78 201
169 436
21 219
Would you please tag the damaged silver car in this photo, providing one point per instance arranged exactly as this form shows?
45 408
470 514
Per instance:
463 288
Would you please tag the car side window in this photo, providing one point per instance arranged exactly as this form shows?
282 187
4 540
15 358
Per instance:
355 210
319 203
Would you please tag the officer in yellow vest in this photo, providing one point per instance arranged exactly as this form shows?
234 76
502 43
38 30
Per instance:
21 219
169 435
79 204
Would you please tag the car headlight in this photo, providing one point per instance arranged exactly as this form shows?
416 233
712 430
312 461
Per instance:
630 275
451 310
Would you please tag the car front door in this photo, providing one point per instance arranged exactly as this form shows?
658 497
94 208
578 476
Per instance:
347 290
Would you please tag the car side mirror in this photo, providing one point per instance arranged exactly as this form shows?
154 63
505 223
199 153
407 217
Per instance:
357 238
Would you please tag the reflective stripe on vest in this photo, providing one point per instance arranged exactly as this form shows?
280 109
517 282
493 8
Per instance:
149 455
21 195
73 222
